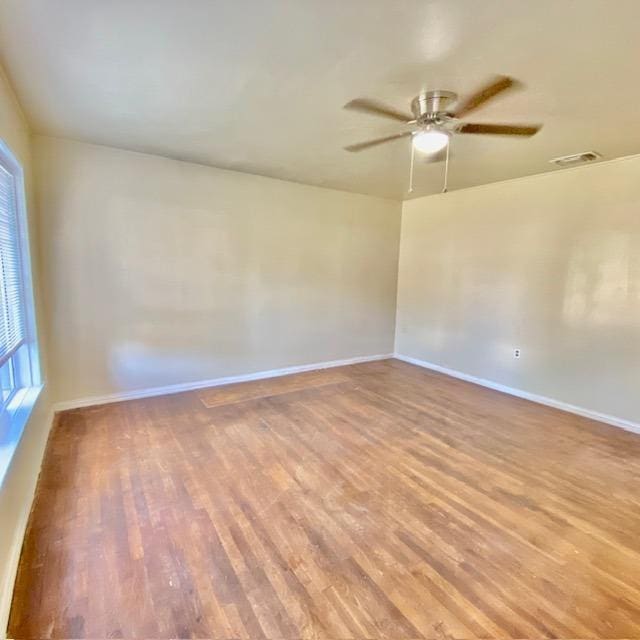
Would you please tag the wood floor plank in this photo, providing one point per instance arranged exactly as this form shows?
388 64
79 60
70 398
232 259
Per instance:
371 501
243 391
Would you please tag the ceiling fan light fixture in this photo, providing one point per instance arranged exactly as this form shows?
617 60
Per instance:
430 140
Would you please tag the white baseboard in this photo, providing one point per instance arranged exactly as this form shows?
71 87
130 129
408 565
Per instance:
214 382
10 571
550 402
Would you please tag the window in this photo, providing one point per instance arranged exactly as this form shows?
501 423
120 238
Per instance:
19 366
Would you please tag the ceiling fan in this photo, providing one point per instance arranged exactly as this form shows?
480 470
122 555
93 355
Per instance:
433 123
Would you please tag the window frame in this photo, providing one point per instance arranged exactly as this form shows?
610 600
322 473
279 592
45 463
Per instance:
16 409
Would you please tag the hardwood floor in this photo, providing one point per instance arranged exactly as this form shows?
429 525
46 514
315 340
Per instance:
371 501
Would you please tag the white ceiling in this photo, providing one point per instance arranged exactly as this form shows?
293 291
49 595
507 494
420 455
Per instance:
258 85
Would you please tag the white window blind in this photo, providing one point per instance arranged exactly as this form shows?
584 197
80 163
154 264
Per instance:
12 316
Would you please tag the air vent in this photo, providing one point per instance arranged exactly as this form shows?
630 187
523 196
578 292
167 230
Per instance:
576 158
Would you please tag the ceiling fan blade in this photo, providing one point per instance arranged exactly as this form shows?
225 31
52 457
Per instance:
372 143
498 85
500 129
376 108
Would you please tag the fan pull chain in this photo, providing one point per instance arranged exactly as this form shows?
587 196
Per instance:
446 169
413 151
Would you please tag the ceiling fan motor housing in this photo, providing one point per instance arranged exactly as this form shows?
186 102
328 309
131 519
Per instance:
427 106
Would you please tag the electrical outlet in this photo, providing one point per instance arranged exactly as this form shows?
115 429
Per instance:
516 353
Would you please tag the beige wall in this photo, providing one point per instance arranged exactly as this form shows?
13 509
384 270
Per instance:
160 272
17 482
549 264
